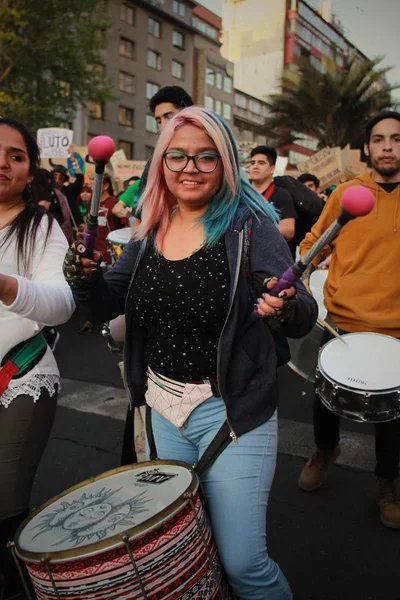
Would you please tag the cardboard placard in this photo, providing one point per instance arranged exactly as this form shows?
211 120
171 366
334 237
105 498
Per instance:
126 169
118 156
327 165
54 142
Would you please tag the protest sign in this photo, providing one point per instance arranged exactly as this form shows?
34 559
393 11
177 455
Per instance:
54 142
126 169
327 165
118 156
280 166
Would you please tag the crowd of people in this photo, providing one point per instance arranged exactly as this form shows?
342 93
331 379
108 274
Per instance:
211 333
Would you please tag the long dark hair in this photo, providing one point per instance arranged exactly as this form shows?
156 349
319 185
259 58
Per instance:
26 223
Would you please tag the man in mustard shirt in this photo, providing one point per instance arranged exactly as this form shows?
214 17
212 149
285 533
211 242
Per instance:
362 294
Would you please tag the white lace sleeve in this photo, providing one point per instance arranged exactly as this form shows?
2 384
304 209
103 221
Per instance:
32 387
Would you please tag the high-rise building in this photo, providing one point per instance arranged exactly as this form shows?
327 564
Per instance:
261 38
151 44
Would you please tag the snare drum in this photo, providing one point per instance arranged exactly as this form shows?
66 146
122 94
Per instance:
304 351
359 377
138 533
117 240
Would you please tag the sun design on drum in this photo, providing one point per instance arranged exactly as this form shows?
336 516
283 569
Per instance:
91 517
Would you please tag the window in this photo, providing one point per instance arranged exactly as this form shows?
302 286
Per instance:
218 80
240 101
151 89
209 102
177 69
127 14
154 60
226 113
177 39
149 152
178 8
125 116
126 83
218 107
126 48
154 27
96 110
151 125
228 84
203 27
210 76
127 147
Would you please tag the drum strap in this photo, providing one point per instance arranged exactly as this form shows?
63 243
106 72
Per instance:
216 447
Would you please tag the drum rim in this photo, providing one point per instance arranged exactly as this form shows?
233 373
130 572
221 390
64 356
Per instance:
113 541
120 242
360 391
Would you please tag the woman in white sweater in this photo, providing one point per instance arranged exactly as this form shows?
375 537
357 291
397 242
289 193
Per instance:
33 294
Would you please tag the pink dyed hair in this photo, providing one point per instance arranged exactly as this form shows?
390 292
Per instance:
157 201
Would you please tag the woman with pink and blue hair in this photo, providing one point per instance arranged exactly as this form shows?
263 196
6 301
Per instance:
198 350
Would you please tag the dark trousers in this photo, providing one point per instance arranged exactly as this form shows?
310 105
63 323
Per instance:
25 428
387 435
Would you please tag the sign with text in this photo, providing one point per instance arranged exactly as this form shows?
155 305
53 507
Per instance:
54 142
126 169
118 156
327 165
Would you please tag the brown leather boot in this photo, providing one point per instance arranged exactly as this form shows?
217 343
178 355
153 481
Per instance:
315 470
388 499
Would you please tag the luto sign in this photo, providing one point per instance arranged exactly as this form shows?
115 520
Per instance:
54 142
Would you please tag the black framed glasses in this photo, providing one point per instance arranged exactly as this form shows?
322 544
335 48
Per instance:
205 162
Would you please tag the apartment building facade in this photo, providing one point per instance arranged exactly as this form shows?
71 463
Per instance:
152 44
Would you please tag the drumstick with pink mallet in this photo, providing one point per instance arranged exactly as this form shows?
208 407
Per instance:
101 148
357 201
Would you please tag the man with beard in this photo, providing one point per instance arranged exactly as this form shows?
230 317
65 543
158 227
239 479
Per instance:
362 295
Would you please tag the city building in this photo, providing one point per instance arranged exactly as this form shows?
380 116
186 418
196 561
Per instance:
150 44
212 74
249 115
263 37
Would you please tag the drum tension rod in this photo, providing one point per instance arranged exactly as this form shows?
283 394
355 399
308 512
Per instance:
203 539
11 547
45 561
125 539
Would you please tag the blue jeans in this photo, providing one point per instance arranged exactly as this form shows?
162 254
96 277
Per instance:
237 486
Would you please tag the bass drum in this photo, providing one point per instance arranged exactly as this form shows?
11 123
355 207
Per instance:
304 351
139 532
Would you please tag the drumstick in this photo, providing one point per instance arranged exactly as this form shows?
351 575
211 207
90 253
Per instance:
101 148
357 201
331 330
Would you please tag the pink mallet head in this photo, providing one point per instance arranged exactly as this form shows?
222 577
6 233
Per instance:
358 200
101 148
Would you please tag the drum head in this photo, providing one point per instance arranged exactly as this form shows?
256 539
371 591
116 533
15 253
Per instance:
366 361
317 282
130 499
120 236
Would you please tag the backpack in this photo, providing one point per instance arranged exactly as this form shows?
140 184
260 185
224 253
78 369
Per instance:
308 205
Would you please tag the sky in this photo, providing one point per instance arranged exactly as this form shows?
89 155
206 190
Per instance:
371 25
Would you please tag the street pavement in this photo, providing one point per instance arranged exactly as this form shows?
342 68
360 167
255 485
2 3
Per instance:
330 544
